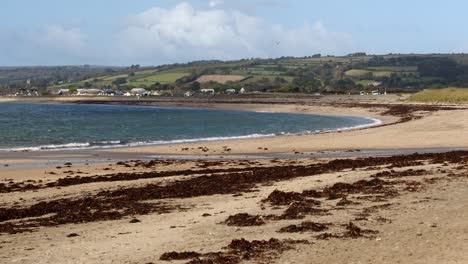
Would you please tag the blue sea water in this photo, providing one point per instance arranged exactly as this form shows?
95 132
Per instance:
27 126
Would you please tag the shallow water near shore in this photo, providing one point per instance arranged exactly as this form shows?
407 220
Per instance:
27 126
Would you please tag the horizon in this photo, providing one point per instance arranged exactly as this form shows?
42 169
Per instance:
151 33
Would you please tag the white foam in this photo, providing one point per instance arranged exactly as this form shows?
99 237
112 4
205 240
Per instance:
50 147
375 122
115 144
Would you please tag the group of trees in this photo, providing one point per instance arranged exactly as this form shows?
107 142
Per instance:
42 77
432 70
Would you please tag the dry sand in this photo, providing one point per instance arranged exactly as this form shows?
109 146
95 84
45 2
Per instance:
422 224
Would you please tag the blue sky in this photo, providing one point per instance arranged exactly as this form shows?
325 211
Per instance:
149 32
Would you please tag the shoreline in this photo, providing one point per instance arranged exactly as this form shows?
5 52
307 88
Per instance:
72 146
377 120
389 123
424 128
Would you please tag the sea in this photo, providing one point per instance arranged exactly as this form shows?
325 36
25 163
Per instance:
47 127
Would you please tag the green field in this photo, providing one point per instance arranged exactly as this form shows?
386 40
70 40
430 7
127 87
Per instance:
365 82
114 77
256 78
357 73
394 68
334 59
360 73
263 71
141 78
447 95
137 84
146 72
163 78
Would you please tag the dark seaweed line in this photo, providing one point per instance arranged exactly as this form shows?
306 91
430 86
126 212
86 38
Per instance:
64 182
112 205
78 180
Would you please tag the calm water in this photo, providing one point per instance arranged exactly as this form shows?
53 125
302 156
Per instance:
58 126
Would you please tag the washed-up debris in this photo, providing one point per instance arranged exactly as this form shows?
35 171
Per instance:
244 219
304 227
179 255
239 250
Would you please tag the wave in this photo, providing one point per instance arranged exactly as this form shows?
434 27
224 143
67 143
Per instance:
117 144
121 144
374 122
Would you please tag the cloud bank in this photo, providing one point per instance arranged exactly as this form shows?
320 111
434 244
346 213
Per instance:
215 3
178 34
184 33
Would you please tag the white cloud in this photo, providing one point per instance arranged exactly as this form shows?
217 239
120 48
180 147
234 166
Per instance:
215 3
57 37
184 33
179 34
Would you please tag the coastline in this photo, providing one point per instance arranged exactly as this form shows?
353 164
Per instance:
110 145
377 120
391 134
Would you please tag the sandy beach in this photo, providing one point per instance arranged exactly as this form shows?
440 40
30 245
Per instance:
436 129
424 126
288 199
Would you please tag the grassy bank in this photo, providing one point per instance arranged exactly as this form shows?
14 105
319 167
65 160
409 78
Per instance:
448 95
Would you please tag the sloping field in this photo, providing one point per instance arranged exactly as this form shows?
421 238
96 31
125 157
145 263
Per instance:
169 77
114 77
360 73
448 95
272 78
356 73
336 59
220 78
394 68
145 72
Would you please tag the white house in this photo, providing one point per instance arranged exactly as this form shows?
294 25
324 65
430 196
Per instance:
231 91
89 92
242 90
207 91
139 91
63 91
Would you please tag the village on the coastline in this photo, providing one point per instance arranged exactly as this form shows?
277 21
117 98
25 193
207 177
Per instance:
138 92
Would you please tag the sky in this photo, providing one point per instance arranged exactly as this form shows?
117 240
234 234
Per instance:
151 32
